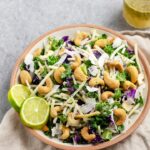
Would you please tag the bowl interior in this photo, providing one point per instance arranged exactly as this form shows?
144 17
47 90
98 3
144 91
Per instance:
70 31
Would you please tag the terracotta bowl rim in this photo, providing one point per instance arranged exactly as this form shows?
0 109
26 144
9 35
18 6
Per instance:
101 145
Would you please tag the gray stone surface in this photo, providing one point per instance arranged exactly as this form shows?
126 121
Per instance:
21 21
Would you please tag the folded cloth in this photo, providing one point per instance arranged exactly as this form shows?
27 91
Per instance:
13 135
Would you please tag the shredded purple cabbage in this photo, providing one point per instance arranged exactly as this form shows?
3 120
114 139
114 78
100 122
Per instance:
130 51
69 85
97 54
66 60
35 80
71 42
80 102
131 93
110 120
97 139
77 138
65 38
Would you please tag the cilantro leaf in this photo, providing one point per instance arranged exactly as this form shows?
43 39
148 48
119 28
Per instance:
117 93
122 76
104 108
62 118
67 72
139 101
120 128
108 49
92 95
36 60
56 44
52 60
44 73
88 63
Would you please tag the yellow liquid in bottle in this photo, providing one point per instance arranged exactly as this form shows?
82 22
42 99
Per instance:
137 13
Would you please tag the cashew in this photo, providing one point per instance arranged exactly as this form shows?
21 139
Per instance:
120 115
103 42
72 121
77 62
107 94
25 77
115 64
79 37
54 111
37 52
57 74
85 134
111 83
96 81
61 51
65 132
79 74
128 85
45 128
87 115
42 90
133 72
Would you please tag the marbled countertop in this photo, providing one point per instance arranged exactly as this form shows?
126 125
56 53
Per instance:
22 21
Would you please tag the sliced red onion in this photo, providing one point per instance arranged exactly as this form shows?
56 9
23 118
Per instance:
102 60
93 70
91 89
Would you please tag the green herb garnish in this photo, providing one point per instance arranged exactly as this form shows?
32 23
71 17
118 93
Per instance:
52 60
56 44
117 93
139 101
108 49
67 72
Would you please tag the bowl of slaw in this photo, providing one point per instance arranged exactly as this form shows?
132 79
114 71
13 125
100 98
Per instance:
99 52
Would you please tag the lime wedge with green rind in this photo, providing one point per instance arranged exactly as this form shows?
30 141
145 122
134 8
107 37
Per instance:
34 112
17 94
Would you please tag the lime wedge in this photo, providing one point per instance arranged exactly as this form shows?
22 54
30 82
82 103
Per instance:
34 112
17 94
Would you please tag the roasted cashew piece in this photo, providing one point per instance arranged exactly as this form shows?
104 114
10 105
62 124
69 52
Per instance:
103 42
79 37
25 77
37 52
115 64
111 83
72 121
80 75
54 111
128 85
120 115
96 81
57 74
85 134
107 94
65 132
133 73
45 128
42 90
87 115
77 62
